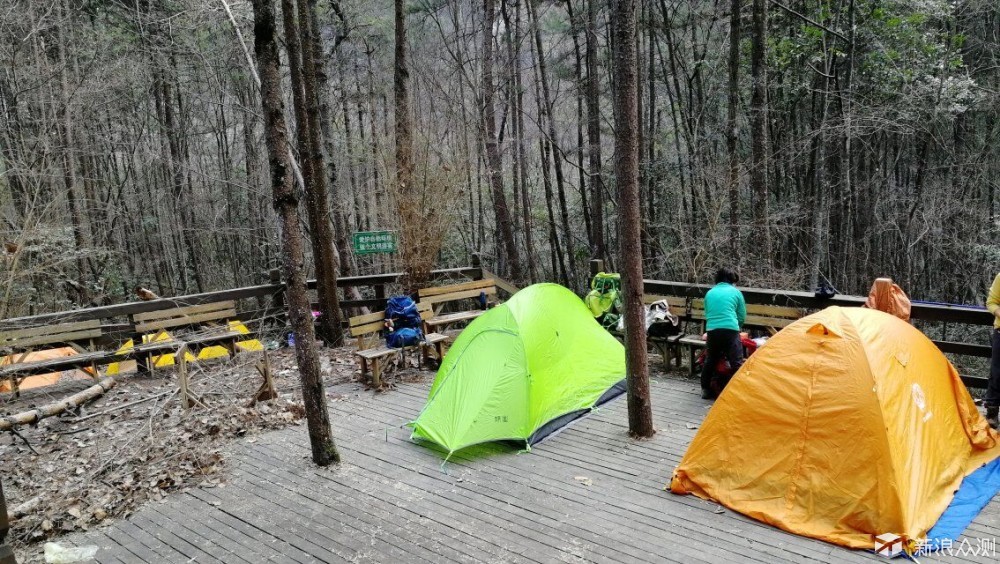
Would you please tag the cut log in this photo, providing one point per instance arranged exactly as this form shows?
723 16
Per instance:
76 400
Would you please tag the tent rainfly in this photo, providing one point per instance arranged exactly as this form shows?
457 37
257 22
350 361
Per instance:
521 371
846 425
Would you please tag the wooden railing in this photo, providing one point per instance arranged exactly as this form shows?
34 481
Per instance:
943 313
266 301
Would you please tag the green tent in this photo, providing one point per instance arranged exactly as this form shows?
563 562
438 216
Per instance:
521 371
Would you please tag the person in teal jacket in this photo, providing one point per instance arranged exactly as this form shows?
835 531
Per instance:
725 312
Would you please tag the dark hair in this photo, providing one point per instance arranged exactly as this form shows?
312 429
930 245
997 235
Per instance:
726 275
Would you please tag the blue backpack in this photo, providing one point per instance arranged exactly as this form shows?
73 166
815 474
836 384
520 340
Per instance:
403 312
405 337
406 323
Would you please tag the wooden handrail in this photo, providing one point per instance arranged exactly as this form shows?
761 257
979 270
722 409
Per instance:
925 312
921 311
248 292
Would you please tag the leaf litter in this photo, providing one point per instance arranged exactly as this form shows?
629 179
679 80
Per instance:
107 459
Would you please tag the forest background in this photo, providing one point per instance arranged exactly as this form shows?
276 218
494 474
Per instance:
863 143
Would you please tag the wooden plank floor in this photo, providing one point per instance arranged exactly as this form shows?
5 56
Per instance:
394 501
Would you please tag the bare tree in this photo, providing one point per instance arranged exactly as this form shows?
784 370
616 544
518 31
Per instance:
594 135
626 104
732 132
324 451
405 191
759 147
493 161
318 204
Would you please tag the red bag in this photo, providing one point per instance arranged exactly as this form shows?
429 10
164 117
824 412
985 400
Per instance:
723 372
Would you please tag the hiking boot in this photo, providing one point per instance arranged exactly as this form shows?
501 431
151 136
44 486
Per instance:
991 416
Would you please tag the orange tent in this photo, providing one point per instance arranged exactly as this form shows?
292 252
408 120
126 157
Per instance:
847 424
41 380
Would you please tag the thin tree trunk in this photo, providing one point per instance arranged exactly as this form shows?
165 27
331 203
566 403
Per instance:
316 195
760 148
343 258
495 165
68 160
626 93
416 273
732 132
553 141
581 86
324 451
521 154
598 250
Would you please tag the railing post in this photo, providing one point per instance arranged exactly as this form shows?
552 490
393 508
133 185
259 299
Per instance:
596 265
6 554
278 298
477 263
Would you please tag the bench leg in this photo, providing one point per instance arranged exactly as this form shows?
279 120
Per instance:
376 373
664 349
691 366
142 364
183 374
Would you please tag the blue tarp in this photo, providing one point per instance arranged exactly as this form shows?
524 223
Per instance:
976 491
969 306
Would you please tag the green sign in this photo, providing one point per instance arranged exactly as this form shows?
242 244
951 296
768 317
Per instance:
374 242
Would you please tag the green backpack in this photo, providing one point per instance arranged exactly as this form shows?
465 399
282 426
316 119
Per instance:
604 298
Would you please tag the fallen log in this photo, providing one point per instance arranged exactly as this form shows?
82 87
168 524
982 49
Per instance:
76 400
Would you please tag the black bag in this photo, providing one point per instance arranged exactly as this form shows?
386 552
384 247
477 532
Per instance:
663 329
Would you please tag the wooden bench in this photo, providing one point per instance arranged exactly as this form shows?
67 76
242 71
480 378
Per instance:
768 318
371 349
192 327
18 344
438 296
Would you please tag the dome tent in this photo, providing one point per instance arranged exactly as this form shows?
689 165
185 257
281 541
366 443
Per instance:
521 371
849 424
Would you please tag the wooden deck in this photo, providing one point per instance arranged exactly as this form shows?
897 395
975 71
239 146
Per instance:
587 494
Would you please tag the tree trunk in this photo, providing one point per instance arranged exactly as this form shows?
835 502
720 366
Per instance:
732 131
521 151
759 147
626 93
320 223
344 258
580 88
68 160
598 250
416 274
324 450
508 249
553 141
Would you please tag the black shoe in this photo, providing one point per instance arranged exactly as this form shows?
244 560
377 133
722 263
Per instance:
707 394
992 416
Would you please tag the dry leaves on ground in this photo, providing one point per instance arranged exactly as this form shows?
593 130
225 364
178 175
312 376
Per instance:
136 444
